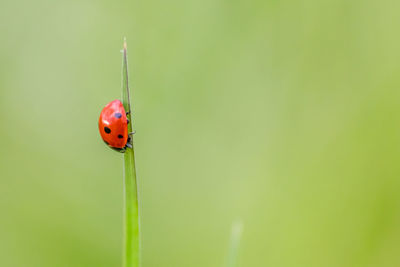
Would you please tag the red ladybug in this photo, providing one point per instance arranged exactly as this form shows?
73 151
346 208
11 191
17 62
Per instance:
113 126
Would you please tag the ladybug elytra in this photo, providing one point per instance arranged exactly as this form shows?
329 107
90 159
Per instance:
113 126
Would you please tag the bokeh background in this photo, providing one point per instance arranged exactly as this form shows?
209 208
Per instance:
283 115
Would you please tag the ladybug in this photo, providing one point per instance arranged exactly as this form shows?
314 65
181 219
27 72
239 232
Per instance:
113 126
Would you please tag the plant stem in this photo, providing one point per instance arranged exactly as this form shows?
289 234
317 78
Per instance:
236 234
131 209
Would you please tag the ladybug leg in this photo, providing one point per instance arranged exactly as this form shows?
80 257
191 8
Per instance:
129 143
127 113
132 133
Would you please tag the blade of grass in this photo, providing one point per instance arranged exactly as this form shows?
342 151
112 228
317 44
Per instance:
236 234
131 209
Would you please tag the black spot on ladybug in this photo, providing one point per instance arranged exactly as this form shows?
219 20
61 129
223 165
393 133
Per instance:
120 136
118 115
107 130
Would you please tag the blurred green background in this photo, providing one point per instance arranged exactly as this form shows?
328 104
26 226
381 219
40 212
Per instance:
283 115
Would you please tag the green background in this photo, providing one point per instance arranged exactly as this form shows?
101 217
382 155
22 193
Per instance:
283 115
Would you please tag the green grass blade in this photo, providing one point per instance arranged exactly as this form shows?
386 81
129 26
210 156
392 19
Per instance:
236 234
131 209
